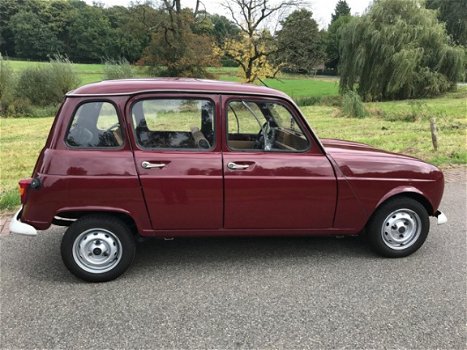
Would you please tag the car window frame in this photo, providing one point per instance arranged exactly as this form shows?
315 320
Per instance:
139 98
121 121
298 119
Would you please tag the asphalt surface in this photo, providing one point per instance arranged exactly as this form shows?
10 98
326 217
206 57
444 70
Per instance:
243 293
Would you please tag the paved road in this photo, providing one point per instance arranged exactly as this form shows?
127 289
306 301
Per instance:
243 293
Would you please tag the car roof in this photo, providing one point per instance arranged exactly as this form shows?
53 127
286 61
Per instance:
135 86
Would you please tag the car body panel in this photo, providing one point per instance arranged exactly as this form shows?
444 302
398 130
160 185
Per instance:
377 175
331 189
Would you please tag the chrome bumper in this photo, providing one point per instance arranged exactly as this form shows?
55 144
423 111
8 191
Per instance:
20 228
442 219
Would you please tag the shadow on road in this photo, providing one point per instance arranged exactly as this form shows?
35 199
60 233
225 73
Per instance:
41 258
234 250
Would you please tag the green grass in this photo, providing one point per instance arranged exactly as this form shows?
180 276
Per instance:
21 140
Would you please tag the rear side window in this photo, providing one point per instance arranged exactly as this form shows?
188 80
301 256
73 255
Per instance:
95 125
174 124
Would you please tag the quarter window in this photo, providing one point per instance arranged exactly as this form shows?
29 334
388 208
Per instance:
267 126
174 124
95 125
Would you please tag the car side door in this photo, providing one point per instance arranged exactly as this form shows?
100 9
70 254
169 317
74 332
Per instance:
179 160
276 175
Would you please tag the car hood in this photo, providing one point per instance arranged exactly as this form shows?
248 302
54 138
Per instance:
361 160
335 146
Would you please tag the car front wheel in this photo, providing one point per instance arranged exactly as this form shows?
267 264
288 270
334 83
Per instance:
398 228
98 248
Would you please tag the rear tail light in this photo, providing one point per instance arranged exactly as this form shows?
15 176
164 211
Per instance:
23 189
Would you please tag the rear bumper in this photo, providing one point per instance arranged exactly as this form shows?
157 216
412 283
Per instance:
442 219
20 228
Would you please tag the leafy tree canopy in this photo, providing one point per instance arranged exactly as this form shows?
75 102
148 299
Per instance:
342 9
299 42
33 38
398 50
333 38
179 46
340 17
454 14
255 46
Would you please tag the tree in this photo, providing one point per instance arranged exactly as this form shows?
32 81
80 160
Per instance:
340 17
89 35
254 46
342 9
299 42
398 50
333 38
454 14
33 38
136 29
175 50
223 29
249 54
8 8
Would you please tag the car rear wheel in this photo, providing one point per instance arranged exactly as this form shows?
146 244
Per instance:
98 248
398 228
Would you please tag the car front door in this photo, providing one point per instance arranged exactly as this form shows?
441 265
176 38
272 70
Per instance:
275 173
179 160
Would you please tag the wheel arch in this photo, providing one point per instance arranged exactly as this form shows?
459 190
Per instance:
67 216
412 193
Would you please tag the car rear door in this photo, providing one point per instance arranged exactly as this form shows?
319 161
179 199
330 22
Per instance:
179 160
287 185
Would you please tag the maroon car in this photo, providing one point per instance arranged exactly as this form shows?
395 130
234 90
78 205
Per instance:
165 158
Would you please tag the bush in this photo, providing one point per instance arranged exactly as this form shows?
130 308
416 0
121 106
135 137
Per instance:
228 62
119 69
7 85
352 105
334 101
35 84
63 77
308 100
47 84
19 107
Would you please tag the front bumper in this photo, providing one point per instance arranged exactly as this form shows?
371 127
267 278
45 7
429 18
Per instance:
442 219
20 228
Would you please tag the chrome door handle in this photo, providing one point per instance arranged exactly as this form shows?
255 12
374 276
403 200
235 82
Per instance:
148 165
235 166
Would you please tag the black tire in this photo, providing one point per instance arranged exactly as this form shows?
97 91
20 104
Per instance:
406 225
109 245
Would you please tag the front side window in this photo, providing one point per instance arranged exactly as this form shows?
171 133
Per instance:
95 125
174 124
263 125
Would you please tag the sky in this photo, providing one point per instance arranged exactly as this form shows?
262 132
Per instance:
322 9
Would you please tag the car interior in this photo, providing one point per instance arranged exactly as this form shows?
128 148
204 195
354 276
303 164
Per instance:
95 124
263 126
199 136
188 124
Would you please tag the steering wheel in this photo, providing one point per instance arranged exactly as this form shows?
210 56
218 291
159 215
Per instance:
112 127
265 137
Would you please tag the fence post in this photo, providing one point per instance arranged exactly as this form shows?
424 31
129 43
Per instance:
434 133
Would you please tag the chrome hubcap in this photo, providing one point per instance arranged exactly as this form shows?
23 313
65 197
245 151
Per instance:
401 229
97 250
